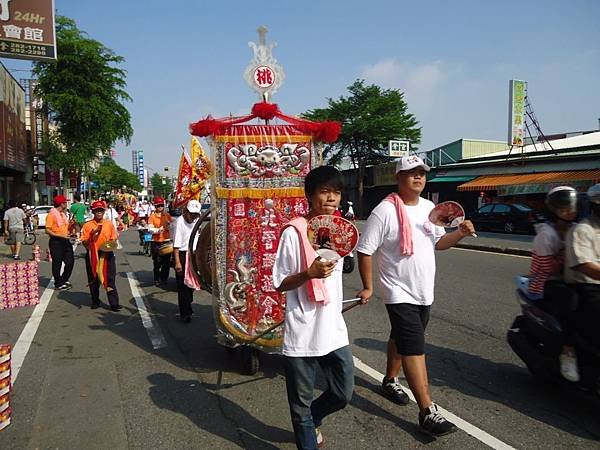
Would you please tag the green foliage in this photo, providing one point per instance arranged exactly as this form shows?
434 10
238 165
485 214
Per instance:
84 92
161 185
370 117
109 175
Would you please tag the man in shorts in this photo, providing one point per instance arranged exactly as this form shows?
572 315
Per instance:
14 228
399 233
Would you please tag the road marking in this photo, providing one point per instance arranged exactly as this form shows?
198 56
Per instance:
468 428
492 253
26 337
154 332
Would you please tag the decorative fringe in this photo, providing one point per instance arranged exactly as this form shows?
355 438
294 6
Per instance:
259 193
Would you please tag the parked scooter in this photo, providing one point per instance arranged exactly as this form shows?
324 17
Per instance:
535 336
349 259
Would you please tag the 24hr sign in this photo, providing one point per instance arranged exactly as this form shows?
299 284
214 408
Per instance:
27 29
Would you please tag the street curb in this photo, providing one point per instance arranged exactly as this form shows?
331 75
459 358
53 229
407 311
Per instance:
496 249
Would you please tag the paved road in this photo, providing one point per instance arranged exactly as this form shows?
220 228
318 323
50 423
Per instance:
93 380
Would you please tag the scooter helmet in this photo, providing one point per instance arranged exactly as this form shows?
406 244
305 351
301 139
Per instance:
561 201
593 194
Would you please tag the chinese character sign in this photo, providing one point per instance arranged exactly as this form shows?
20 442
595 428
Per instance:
516 112
27 29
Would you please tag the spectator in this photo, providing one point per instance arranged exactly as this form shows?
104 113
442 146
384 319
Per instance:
14 228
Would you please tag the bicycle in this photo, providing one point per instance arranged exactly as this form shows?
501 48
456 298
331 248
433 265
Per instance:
29 237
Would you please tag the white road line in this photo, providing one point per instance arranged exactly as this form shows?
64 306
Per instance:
154 332
492 253
21 348
472 430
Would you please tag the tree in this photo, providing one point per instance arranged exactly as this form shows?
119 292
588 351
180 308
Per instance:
84 94
161 185
109 175
370 117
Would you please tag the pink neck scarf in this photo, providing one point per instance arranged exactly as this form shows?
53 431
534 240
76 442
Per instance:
315 286
406 242
59 216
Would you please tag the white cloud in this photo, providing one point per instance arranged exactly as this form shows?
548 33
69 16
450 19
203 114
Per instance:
420 82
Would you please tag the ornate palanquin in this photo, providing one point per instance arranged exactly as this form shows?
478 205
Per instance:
257 187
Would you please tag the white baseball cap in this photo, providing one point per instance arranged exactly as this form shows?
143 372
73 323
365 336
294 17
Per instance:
193 206
410 162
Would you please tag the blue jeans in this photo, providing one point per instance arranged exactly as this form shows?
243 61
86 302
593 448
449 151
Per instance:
300 377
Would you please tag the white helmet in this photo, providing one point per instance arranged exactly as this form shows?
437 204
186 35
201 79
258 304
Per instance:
593 194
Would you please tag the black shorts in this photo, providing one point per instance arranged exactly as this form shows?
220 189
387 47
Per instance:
408 327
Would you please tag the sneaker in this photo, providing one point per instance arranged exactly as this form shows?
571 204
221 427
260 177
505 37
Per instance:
64 287
116 308
568 367
68 283
16 257
186 319
95 304
319 436
391 389
433 423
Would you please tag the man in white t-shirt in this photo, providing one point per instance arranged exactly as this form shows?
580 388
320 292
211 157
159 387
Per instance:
398 232
181 243
315 333
14 228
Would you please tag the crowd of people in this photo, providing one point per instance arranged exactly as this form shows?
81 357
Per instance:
67 227
396 251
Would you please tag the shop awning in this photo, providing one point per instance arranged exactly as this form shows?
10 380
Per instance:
450 179
492 182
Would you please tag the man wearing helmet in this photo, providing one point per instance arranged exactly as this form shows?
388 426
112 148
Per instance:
545 274
582 268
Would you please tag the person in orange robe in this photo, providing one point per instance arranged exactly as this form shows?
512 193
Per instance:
99 237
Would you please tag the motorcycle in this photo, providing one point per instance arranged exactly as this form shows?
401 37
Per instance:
536 337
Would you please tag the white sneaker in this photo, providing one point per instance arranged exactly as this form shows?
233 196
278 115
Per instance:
568 367
320 442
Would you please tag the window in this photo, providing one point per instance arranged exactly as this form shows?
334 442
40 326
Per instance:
501 209
485 209
524 208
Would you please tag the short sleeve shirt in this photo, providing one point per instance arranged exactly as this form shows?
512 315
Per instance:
108 233
402 278
311 328
157 222
15 217
78 211
61 227
582 246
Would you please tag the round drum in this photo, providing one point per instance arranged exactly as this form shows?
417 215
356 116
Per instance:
166 248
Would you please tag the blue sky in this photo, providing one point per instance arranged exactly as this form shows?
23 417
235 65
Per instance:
453 60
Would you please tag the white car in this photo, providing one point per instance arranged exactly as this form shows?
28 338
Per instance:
41 212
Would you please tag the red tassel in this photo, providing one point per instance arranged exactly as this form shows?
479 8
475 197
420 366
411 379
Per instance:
265 111
328 132
205 127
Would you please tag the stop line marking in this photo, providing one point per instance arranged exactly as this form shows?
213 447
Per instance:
468 428
154 332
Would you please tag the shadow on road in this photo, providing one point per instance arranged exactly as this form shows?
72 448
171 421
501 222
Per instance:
505 384
189 398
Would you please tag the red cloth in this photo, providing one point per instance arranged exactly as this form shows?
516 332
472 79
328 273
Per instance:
315 286
406 242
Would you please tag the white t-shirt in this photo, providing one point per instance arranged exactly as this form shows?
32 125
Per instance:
183 232
402 279
15 217
143 210
112 215
311 328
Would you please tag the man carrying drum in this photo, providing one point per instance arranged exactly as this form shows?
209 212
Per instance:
162 247
99 237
